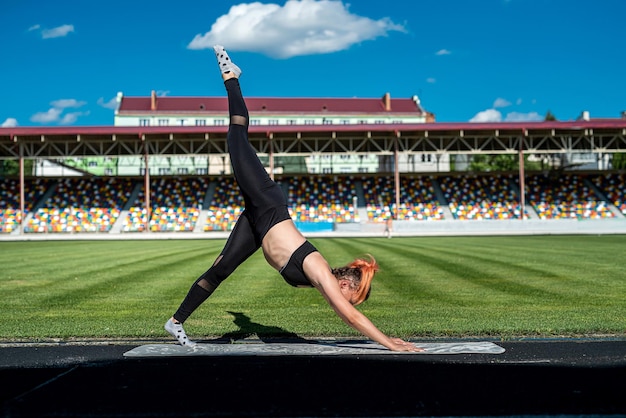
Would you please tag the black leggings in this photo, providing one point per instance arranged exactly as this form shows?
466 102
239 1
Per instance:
265 205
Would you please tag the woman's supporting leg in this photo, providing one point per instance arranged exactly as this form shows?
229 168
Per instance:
241 244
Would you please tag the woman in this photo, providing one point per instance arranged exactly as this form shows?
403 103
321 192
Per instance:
265 223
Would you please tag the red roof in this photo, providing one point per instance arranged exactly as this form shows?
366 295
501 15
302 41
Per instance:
271 105
485 128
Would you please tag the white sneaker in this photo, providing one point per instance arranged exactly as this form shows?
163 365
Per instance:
177 331
224 61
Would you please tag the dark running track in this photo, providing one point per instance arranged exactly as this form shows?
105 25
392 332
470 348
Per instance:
536 377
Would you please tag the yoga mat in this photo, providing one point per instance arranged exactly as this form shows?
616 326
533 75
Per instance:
305 349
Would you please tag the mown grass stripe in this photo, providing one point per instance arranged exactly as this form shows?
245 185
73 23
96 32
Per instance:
427 286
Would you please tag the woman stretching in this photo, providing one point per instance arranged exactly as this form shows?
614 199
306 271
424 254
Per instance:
265 223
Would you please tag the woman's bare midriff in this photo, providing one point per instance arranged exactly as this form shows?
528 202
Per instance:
280 242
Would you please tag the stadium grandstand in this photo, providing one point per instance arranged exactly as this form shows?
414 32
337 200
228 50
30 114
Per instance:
344 164
188 204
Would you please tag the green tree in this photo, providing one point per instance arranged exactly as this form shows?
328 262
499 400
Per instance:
549 116
11 168
619 161
500 162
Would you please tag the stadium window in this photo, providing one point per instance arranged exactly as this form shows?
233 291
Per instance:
397 121
255 122
292 122
345 122
202 171
379 122
362 169
272 122
309 122
183 170
144 122
108 171
362 121
328 121
200 122
164 122
327 170
219 122
181 122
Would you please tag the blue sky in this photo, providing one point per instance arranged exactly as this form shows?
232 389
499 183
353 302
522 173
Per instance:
63 62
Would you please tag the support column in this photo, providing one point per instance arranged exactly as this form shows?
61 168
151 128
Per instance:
396 176
22 194
522 186
270 138
146 179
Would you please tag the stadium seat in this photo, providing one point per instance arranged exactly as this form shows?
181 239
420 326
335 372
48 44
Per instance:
565 197
481 197
418 201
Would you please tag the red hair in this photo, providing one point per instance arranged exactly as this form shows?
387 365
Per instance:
360 272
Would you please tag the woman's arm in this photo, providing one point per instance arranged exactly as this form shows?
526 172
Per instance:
354 318
319 273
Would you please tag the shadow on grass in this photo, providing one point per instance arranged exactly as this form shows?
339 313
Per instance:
267 334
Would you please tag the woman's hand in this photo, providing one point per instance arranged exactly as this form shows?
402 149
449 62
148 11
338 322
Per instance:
318 271
401 345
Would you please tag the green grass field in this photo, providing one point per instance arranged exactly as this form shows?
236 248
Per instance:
497 287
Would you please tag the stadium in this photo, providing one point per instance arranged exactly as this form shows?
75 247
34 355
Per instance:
344 165
364 169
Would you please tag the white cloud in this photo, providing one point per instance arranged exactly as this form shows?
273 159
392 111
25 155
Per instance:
431 80
57 32
299 27
523 117
65 103
55 114
500 102
443 52
34 27
111 104
52 115
493 115
489 115
72 117
9 123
